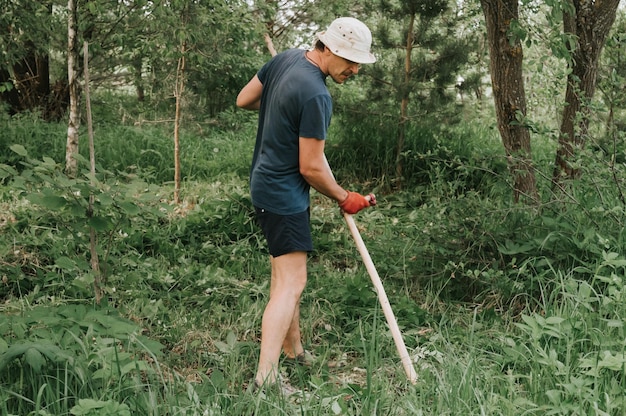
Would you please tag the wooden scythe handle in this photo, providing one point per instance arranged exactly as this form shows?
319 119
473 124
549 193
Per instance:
384 302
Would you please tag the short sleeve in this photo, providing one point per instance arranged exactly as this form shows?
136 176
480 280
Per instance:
315 117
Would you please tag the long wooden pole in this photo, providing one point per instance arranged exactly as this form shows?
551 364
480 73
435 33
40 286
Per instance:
93 237
179 89
384 301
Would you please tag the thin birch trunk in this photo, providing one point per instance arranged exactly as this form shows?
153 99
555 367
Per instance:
71 148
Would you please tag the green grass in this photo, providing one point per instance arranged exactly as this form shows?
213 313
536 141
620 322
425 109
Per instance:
505 311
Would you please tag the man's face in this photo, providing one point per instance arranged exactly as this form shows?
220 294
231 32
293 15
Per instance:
340 69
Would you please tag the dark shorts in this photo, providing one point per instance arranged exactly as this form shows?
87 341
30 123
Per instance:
285 233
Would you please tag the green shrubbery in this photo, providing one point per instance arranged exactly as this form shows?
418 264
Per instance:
59 357
506 309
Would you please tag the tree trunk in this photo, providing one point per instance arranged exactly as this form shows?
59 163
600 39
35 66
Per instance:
505 52
71 148
404 103
589 26
137 67
270 44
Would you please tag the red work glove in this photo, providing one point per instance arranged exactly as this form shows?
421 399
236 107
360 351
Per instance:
355 202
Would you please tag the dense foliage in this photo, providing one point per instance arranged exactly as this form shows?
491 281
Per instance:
505 308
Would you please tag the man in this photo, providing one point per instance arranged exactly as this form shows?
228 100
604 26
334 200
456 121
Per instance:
295 111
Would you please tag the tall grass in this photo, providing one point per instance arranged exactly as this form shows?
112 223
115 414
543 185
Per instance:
142 148
504 310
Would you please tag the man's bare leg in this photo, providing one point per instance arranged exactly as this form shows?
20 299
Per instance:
292 346
289 276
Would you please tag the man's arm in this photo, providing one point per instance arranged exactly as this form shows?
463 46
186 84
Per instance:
316 171
249 97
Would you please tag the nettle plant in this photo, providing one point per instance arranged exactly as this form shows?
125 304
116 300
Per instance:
53 225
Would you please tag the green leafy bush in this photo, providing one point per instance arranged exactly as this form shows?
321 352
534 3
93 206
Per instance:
577 342
459 158
55 359
52 227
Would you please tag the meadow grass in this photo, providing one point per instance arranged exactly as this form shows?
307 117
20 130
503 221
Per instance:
504 311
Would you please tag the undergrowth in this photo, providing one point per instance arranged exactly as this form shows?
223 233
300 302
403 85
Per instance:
504 309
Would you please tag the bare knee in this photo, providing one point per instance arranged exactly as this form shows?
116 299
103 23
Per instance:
289 274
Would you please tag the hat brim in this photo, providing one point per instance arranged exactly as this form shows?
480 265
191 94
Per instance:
354 55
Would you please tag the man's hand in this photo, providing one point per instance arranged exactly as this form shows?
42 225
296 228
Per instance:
355 202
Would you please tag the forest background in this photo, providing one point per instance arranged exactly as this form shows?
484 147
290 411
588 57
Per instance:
134 277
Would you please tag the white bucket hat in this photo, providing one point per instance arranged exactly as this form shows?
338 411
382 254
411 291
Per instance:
350 39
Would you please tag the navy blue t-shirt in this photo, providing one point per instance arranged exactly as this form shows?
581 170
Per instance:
294 103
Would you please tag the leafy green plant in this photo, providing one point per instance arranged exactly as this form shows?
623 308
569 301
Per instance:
55 359
578 346
59 206
89 407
